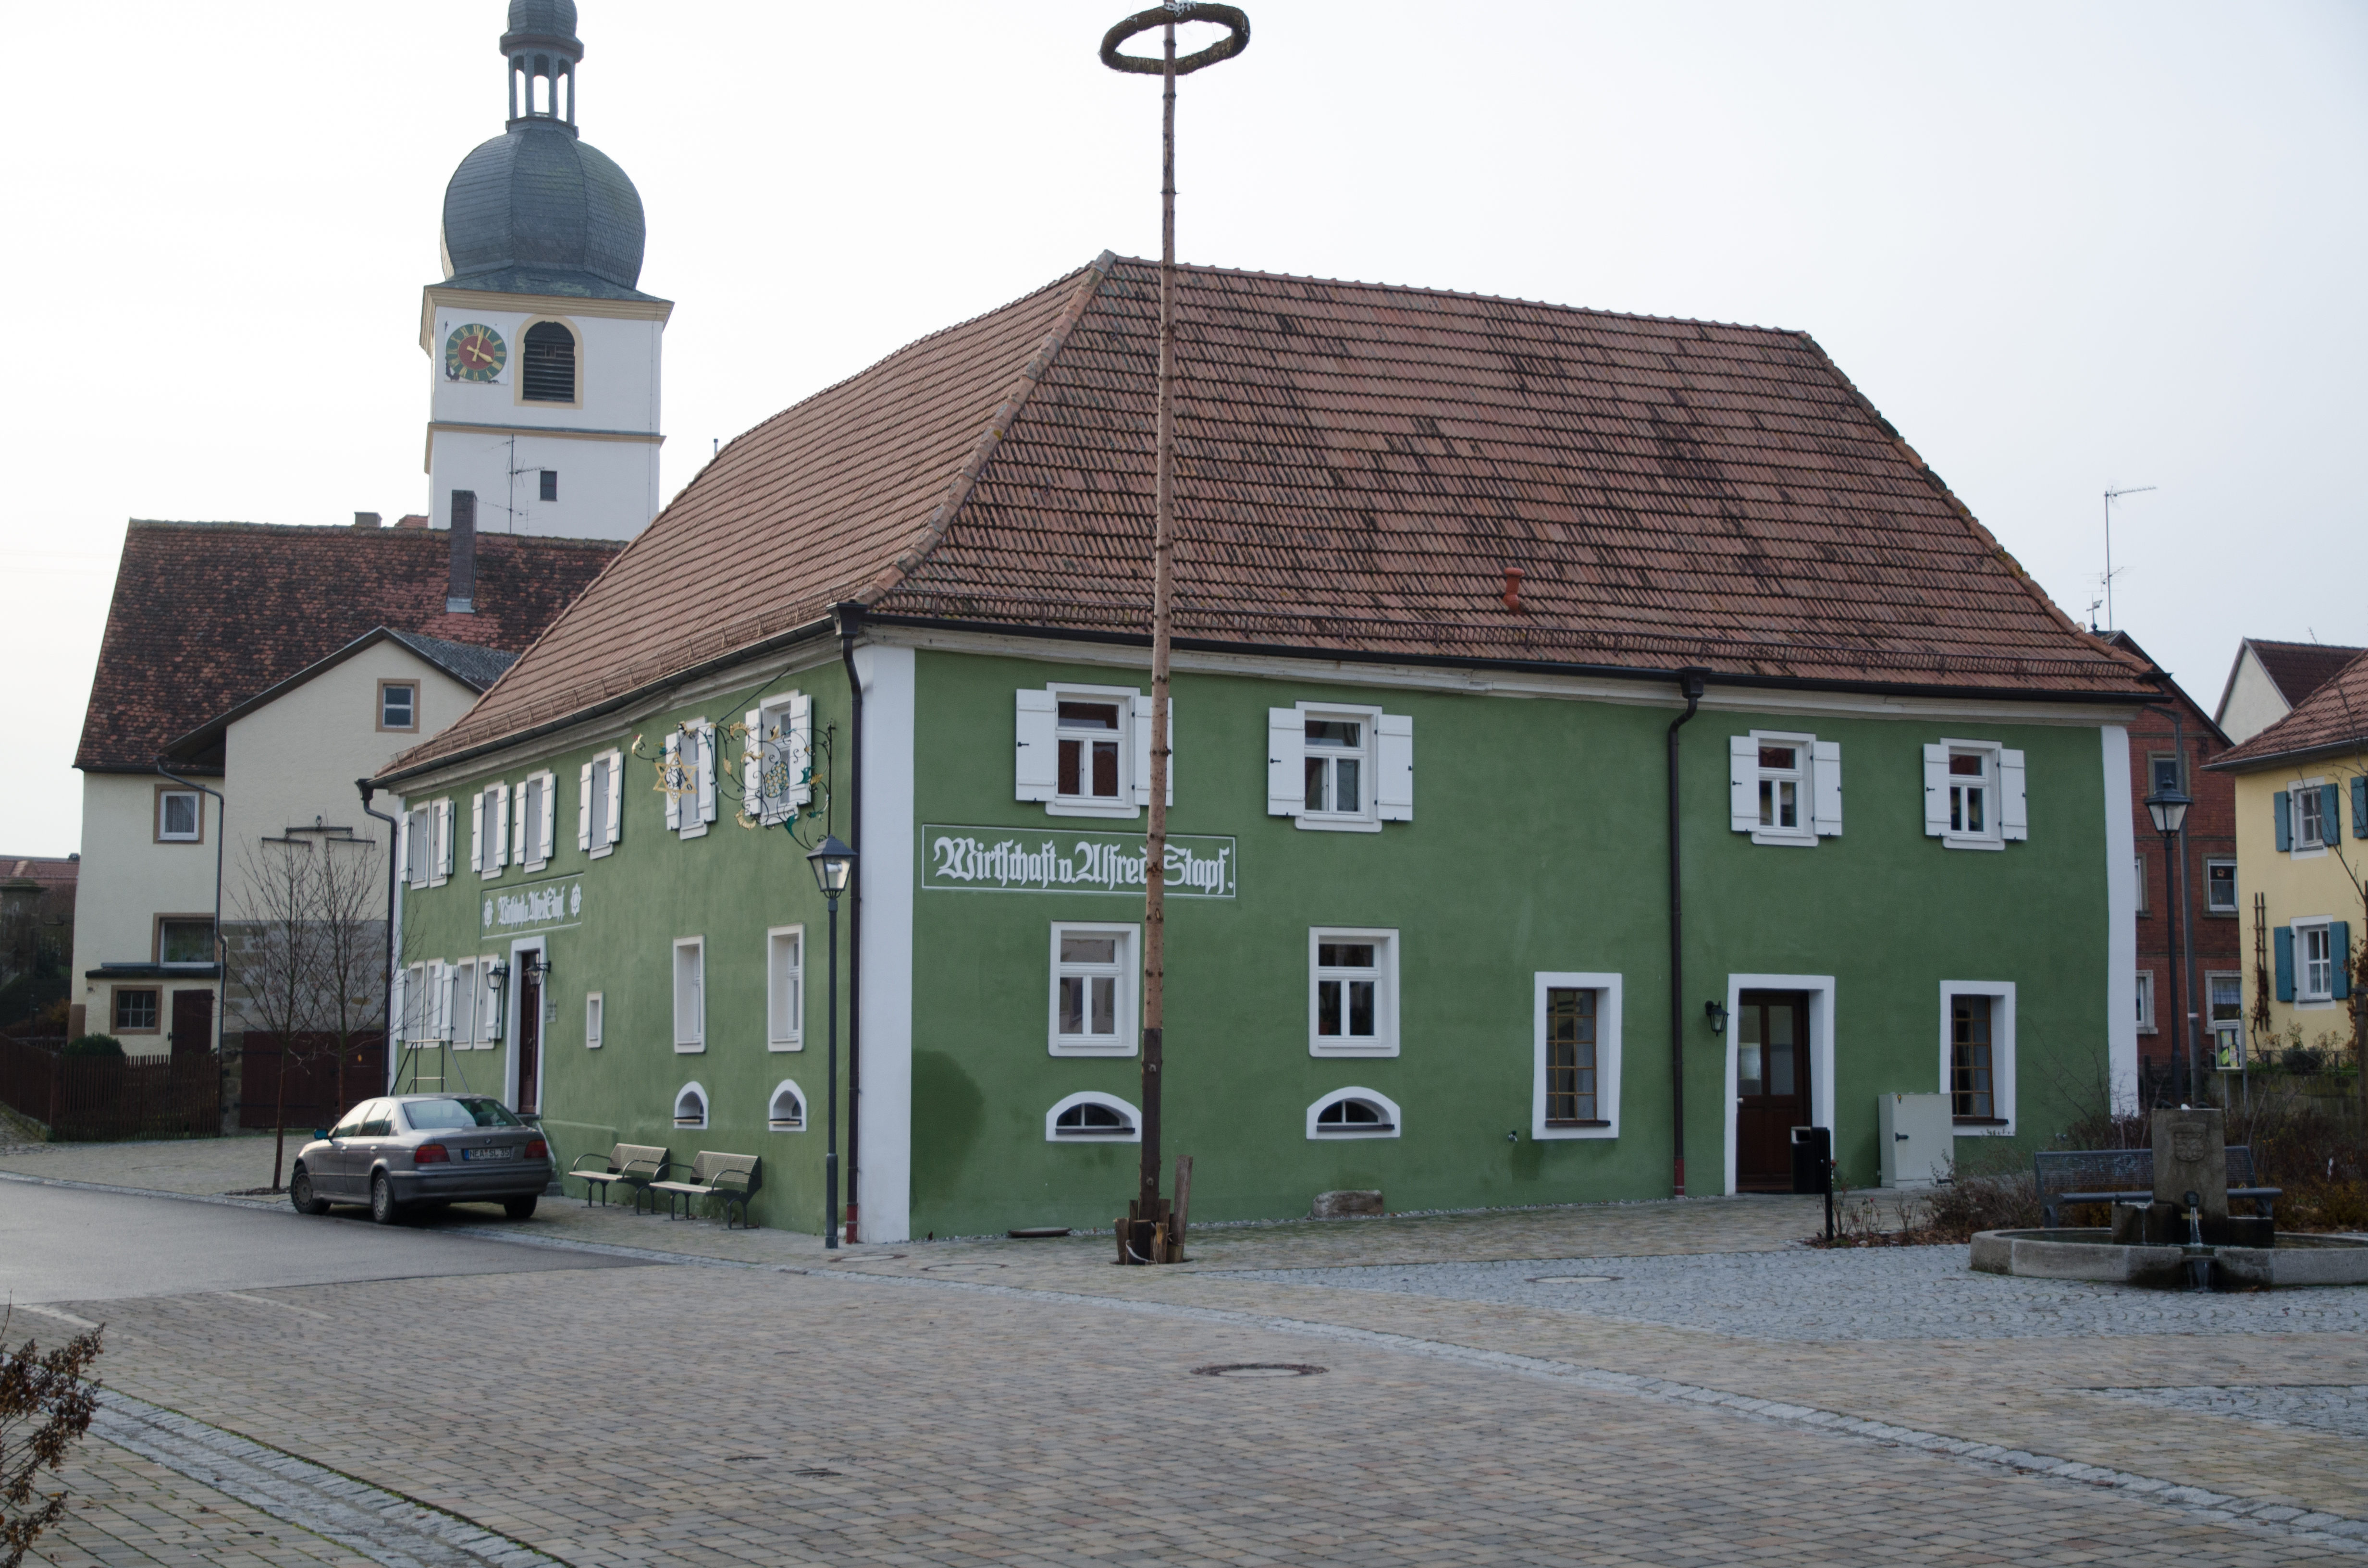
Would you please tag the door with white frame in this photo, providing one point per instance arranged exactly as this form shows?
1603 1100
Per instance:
530 1013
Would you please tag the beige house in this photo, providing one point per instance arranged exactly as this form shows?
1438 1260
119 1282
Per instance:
2268 679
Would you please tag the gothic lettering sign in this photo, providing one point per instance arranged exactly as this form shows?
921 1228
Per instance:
1002 859
536 906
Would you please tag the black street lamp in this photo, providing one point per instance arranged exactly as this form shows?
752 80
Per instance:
2167 806
834 870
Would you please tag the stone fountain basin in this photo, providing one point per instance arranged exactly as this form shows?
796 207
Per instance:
2074 1254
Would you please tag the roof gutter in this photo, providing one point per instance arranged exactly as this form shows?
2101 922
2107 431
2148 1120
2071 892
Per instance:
2272 760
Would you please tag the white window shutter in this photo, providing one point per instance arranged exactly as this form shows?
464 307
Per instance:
439 863
706 771
518 822
1286 762
501 829
1142 722
674 779
752 764
1035 767
402 831
1825 786
398 997
550 813
477 831
1393 790
1742 783
2014 815
584 807
615 826
439 999
801 748
1936 791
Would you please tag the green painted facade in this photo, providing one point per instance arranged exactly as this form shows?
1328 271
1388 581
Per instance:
1537 844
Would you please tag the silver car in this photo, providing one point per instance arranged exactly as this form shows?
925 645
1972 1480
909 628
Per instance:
412 1151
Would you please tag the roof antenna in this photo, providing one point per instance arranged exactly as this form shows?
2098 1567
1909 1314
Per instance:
2112 495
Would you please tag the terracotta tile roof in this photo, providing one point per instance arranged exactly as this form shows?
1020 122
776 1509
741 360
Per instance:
1358 465
42 871
2300 668
2335 716
207 615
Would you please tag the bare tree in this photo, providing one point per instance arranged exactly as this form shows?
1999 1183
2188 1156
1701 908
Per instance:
278 967
351 945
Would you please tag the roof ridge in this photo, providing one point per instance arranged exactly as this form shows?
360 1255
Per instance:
347 530
925 538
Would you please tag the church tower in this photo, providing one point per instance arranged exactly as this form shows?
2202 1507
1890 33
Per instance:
543 358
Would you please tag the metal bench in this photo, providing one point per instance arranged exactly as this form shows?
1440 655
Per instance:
2126 1176
731 1177
635 1166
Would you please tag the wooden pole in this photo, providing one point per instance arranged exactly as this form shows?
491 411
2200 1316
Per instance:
1154 881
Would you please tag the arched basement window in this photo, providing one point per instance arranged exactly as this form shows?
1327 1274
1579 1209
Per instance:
550 363
1353 1113
690 1106
787 1110
1093 1116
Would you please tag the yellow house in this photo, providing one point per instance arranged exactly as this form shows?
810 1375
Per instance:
2301 854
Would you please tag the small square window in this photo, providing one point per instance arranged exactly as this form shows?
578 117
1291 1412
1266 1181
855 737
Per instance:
135 1012
1971 809
2227 998
1336 771
1093 990
2309 817
550 485
2146 1001
180 816
2220 887
398 705
185 941
1090 735
1352 993
2314 951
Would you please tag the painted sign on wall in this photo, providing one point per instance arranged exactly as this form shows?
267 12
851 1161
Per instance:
536 906
1000 859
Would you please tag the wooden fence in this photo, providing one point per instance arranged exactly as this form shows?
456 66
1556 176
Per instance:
88 1099
323 1081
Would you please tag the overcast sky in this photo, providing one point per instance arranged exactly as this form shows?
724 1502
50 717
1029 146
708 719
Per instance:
2062 246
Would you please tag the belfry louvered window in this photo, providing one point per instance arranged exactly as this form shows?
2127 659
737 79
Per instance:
550 363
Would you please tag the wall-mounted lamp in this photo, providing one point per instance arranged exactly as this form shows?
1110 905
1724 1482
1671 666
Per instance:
1716 1013
539 966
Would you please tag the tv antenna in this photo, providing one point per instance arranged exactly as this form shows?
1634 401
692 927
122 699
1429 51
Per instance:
2113 493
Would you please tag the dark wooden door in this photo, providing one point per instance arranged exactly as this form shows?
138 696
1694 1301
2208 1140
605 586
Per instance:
1771 1087
530 1041
193 1023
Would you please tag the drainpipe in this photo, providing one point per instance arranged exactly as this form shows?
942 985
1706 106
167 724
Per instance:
221 949
1691 682
850 621
394 869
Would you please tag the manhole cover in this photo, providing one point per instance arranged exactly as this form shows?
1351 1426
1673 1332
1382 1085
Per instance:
1571 1278
1259 1370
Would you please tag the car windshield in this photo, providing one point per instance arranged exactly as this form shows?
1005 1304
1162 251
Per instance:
430 1116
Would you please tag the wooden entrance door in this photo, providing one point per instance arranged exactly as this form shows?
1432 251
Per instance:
529 1035
193 1023
1771 1087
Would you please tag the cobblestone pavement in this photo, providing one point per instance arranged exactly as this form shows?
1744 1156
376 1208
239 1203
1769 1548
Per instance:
2328 1407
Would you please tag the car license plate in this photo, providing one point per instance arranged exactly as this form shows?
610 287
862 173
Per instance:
489 1154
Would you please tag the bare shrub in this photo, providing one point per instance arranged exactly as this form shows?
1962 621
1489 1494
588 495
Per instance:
48 1398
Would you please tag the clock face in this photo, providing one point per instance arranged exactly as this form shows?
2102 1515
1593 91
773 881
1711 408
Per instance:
475 352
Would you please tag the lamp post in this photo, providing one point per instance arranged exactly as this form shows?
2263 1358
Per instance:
834 870
2168 808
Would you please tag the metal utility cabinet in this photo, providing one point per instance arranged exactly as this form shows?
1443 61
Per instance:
1918 1139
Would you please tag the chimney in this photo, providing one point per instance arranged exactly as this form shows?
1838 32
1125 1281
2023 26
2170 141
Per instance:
368 520
462 599
1513 588
412 520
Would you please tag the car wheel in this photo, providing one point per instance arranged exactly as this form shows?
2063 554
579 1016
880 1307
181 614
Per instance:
384 1208
519 1208
300 1194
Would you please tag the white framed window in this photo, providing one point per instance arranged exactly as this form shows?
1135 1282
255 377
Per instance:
2224 1005
1094 986
1085 751
691 1104
180 816
2139 865
785 1108
1352 992
785 988
776 758
1978 1058
1574 1077
536 802
593 1005
1785 788
1353 1113
489 830
1091 1117
690 778
2314 960
1973 795
690 994
2219 886
2146 1001
1339 767
2312 809
600 804
398 705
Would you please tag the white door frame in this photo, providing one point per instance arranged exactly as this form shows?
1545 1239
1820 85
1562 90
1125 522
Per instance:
1820 988
513 999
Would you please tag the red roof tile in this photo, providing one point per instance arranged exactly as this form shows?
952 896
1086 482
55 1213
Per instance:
2300 668
1358 464
2332 718
206 615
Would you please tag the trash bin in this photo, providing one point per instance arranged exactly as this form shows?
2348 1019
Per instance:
1813 1154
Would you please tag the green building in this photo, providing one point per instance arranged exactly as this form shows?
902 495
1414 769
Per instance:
1522 651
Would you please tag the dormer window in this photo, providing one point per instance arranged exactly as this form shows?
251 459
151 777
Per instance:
550 364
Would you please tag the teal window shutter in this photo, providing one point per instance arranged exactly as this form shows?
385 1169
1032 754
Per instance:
2285 823
2282 940
2339 948
2360 807
2330 812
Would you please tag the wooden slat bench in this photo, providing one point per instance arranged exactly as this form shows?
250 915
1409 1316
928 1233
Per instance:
635 1166
2126 1176
731 1177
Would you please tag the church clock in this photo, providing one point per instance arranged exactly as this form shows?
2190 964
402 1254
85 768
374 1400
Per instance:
475 352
